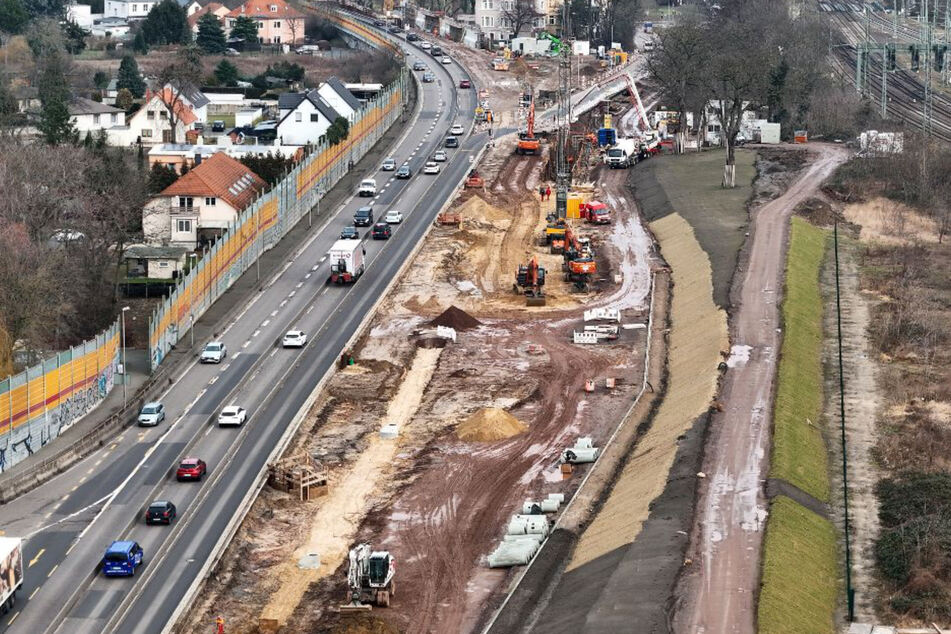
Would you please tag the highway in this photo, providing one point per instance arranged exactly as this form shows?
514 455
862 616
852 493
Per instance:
71 519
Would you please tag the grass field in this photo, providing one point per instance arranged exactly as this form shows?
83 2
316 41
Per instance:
799 584
799 453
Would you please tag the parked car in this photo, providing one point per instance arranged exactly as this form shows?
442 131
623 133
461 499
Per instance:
452 141
446 61
432 167
191 469
381 231
439 156
151 414
393 217
417 65
218 125
231 52
404 172
232 416
456 129
363 217
349 233
389 164
214 352
160 512
121 559
465 83
294 339
428 78
367 187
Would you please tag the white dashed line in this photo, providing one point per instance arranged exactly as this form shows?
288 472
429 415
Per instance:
236 355
314 268
225 366
213 379
274 313
307 277
255 333
310 308
273 352
283 304
246 344
265 323
321 259
292 293
324 291
299 284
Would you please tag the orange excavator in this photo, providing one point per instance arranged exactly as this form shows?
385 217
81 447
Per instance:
579 263
530 278
527 141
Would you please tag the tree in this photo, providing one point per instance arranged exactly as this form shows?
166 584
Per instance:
245 28
8 105
338 131
124 99
75 37
179 76
13 16
286 70
270 167
160 177
583 16
129 77
139 44
55 123
226 73
166 23
101 80
211 37
520 14
55 9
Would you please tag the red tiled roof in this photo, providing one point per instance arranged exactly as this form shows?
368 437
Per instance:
261 9
211 7
222 177
182 111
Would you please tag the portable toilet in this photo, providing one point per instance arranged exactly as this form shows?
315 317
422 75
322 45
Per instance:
574 206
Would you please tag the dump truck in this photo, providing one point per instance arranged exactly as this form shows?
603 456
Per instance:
346 261
11 571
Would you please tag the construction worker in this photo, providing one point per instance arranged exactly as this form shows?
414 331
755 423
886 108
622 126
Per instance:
220 625
541 192
548 193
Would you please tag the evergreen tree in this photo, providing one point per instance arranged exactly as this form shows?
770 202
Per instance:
211 37
124 99
13 16
245 28
54 124
101 80
139 44
130 78
166 23
75 37
226 73
8 105
160 177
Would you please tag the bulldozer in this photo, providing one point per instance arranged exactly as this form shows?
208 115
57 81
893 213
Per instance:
528 143
369 579
529 279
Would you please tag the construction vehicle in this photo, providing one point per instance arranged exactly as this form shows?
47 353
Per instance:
527 141
555 230
623 154
369 579
11 571
500 63
474 180
596 212
579 264
346 261
531 278
556 44
448 218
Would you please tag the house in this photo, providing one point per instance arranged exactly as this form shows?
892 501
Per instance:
190 97
340 99
491 16
128 9
198 207
278 22
110 27
81 14
215 8
91 116
304 118
714 130
27 97
155 263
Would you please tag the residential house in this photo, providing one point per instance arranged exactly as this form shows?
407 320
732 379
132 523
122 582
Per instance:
81 14
91 116
713 131
215 8
110 27
151 124
340 99
304 118
198 207
492 17
278 22
128 9
154 262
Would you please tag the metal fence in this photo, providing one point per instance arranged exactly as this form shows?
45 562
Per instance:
260 226
40 403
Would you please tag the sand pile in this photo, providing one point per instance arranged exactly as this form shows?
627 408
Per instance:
488 424
456 318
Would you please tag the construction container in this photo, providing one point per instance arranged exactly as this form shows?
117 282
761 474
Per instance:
550 506
390 430
579 455
589 386
528 525
574 206
607 135
531 508
559 497
584 443
609 383
512 554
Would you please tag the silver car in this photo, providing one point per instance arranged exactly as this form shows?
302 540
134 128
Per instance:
152 414
214 352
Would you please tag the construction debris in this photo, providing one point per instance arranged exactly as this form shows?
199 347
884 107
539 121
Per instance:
298 473
456 319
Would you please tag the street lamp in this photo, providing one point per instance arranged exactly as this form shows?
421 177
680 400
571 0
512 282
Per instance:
125 369
310 209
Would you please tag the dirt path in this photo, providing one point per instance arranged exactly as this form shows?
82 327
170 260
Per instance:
720 595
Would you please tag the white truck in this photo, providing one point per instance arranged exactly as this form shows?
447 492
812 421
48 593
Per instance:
346 261
623 154
367 187
11 571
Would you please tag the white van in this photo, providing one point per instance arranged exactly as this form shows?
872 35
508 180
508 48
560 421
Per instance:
367 187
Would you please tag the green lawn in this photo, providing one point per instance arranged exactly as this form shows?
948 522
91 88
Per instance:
799 585
799 453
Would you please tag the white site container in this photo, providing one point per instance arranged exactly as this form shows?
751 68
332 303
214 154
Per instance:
557 496
550 506
528 525
531 507
584 443
579 455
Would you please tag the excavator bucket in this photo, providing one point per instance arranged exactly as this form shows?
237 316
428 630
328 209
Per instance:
535 300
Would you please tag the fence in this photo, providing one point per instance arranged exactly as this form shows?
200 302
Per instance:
38 404
260 226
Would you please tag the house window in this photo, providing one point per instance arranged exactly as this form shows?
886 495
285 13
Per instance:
163 264
185 201
113 118
151 115
276 39
260 25
488 20
277 25
273 8
314 117
209 201
146 133
552 20
298 117
488 5
184 226
163 115
95 119
135 8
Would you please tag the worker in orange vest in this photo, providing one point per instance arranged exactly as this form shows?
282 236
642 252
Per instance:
220 623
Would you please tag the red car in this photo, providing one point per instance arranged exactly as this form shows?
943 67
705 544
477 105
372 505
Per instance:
191 469
465 83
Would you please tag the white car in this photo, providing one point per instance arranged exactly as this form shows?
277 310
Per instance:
393 217
151 414
294 339
425 45
431 168
439 156
214 352
367 187
388 165
232 416
456 129
446 61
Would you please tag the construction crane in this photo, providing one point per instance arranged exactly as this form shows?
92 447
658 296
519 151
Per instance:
527 141
369 579
531 278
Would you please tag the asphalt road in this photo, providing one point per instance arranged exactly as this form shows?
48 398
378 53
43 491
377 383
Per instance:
70 520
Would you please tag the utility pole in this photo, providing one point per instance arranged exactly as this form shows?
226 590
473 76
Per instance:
885 81
562 172
927 39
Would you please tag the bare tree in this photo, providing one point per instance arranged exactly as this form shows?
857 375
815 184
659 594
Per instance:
519 14
177 79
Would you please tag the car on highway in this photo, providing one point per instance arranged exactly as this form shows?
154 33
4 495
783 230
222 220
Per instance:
428 78
452 141
191 469
381 231
404 172
160 512
363 216
456 129
436 51
393 217
412 37
446 61
417 65
425 45
151 414
214 352
432 167
232 416
367 187
389 164
439 156
349 233
294 339
121 559
465 83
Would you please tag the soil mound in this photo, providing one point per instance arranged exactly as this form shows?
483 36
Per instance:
488 424
456 318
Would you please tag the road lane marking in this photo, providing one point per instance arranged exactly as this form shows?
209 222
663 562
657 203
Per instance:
13 618
75 486
313 268
265 323
213 379
90 471
246 344
299 284
283 304
256 333
50 573
48 515
309 308
307 277
324 291
37 558
64 498
273 313
236 354
83 479
33 594
99 462
292 293
321 259
224 367
273 352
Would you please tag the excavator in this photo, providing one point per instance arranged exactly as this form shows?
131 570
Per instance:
531 278
527 141
579 263
370 579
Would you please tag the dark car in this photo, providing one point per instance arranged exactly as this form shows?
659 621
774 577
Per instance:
465 83
435 51
349 233
428 77
191 469
381 231
160 512
412 37
419 66
452 141
363 217
404 172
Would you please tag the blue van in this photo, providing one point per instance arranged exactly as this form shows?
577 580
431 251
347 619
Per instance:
121 558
